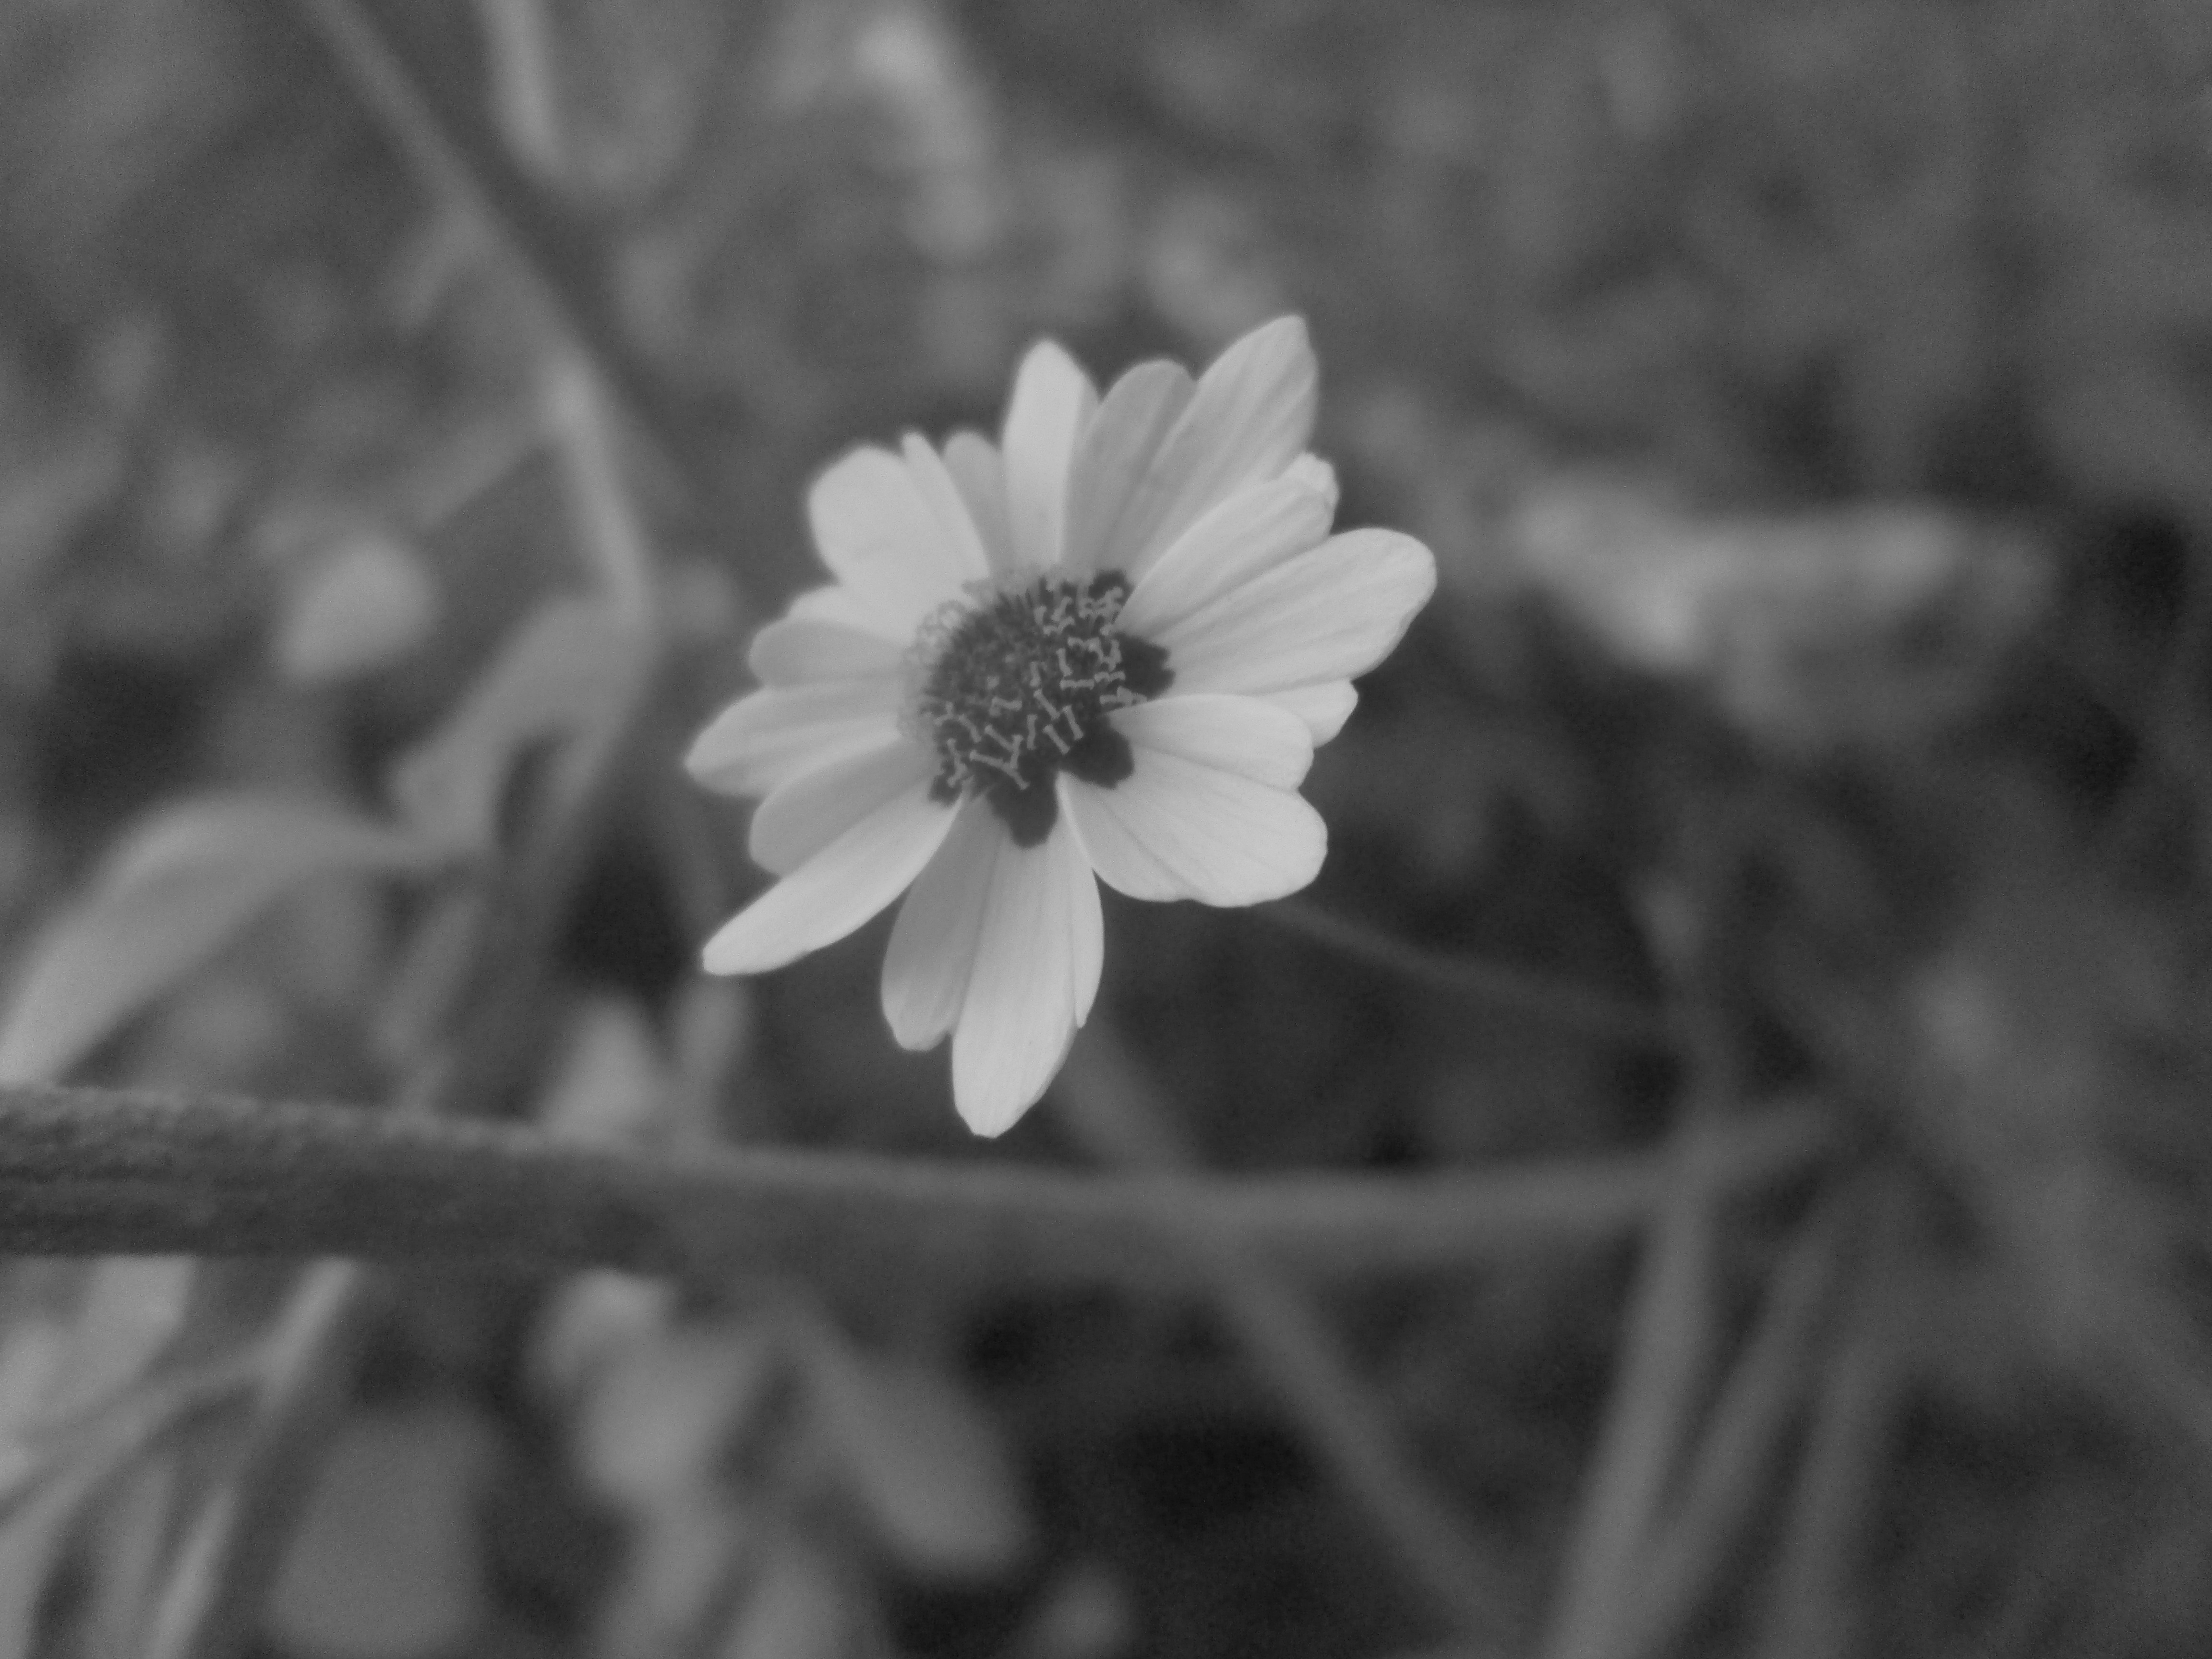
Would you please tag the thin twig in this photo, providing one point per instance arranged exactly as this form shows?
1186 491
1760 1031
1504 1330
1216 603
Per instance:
1105 1101
1655 1398
584 439
1558 1003
1667 1347
88 1170
117 1432
524 90
214 1592
489 195
1809 1606
236 1542
1740 1446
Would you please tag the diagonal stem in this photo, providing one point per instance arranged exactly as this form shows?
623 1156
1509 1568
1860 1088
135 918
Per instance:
488 193
1566 1007
1655 1396
1737 1455
1105 1102
1810 1608
214 1588
236 1542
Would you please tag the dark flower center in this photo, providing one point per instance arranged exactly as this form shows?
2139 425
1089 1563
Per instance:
1018 685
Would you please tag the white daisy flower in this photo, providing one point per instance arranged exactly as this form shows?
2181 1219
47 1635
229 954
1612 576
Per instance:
1104 647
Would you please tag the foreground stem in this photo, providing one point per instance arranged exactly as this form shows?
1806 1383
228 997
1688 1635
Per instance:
88 1171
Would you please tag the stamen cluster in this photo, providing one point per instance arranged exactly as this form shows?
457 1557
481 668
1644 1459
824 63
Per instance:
1017 686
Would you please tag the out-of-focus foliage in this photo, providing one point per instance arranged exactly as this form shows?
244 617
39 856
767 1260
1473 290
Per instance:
363 603
176 893
388 1558
1809 405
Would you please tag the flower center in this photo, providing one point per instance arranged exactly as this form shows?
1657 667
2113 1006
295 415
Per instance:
1017 684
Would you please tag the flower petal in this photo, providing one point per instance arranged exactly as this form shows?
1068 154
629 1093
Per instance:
1324 707
1211 811
836 890
1139 410
1252 531
1037 957
779 731
878 532
1241 735
948 506
1326 615
1053 401
796 650
1317 472
1251 417
835 604
973 460
933 942
806 813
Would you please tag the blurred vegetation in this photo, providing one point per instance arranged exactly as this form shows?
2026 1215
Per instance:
1810 407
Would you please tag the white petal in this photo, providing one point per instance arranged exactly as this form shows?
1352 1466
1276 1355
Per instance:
1317 472
933 941
973 460
834 603
1137 413
1211 812
1252 531
1243 735
1035 973
1250 419
948 505
1053 401
880 536
799 650
779 731
835 890
1326 615
806 813
1324 707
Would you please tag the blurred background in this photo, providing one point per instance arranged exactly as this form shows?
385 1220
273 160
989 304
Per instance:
1810 409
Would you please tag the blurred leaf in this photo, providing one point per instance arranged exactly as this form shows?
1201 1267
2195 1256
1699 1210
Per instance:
133 1308
592 1319
361 605
130 1551
44 497
927 1466
710 1035
794 1608
1877 621
169 898
614 1079
663 1411
677 1568
2133 426
31 1351
1085 1612
569 669
31 1545
386 1563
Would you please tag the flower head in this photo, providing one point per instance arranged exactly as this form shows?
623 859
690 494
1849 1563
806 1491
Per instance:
1102 649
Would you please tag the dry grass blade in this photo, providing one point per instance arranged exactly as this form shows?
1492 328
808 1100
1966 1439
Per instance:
1811 1607
1669 1344
1737 1455
212 1598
